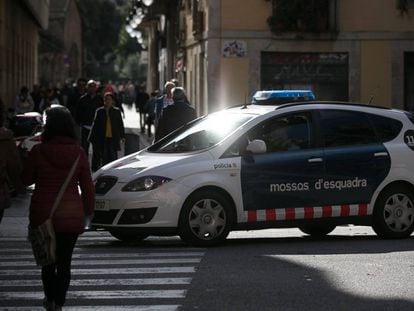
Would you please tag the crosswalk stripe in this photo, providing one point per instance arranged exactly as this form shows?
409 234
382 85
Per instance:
89 271
103 308
110 262
102 294
112 255
83 249
102 272
102 282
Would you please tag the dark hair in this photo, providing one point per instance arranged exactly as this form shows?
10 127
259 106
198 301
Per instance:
59 122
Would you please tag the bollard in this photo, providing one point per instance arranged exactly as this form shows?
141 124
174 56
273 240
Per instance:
131 141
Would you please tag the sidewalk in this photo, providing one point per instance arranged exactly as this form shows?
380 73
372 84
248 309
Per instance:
16 218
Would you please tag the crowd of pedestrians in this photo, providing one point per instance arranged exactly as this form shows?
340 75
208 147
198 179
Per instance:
86 96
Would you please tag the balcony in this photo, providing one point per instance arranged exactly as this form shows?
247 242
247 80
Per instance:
303 16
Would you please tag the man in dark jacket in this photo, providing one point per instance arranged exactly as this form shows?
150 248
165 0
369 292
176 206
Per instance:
140 102
175 115
85 112
107 132
75 94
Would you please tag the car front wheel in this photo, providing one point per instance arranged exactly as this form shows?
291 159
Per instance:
394 213
205 219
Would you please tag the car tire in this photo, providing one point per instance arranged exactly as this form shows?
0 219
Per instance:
393 216
317 230
127 236
205 219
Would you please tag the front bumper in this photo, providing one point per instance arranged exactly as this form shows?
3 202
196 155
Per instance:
133 216
158 208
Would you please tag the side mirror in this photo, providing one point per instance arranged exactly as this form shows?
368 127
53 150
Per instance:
256 146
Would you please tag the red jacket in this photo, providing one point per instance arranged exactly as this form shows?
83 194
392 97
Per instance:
47 167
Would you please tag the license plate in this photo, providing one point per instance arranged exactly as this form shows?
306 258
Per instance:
101 205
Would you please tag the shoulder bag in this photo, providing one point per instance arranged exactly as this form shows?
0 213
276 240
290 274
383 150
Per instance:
42 237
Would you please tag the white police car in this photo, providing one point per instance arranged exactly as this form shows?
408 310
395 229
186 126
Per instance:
312 165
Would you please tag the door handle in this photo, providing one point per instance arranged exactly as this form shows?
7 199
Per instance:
381 154
315 160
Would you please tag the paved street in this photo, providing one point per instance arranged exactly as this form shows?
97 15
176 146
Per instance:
106 275
257 270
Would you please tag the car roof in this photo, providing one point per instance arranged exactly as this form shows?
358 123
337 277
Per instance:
263 109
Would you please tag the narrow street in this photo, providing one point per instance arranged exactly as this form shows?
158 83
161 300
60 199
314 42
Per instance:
276 269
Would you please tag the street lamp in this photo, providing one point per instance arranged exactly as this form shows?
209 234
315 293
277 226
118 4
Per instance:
147 2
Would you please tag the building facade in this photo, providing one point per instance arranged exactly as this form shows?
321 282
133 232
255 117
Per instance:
60 49
341 49
20 22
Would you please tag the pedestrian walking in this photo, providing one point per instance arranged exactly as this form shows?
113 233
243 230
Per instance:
47 167
75 94
129 95
140 102
175 115
24 102
107 132
150 109
163 101
85 112
48 100
37 96
10 165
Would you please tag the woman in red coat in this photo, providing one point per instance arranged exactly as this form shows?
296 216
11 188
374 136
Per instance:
47 167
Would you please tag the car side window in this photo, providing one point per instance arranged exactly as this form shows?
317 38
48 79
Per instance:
386 128
284 133
343 128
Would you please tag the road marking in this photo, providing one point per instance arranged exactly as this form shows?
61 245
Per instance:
103 282
101 294
89 271
102 308
106 255
135 276
110 262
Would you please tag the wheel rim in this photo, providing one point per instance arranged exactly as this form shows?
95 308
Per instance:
399 212
207 219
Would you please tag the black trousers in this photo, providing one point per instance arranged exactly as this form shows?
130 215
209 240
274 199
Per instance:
56 277
103 154
84 139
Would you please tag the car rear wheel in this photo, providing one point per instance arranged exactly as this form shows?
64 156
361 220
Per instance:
205 219
127 235
317 230
394 213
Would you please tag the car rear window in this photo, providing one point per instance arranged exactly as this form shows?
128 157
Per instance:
387 128
345 128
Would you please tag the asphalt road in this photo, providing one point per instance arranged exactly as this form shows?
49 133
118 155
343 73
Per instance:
284 270
279 269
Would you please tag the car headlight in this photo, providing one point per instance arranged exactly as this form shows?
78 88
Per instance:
146 183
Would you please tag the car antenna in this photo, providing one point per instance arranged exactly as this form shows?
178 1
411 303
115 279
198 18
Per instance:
371 99
245 102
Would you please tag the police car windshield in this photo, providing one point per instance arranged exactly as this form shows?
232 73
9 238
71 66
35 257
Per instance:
201 134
